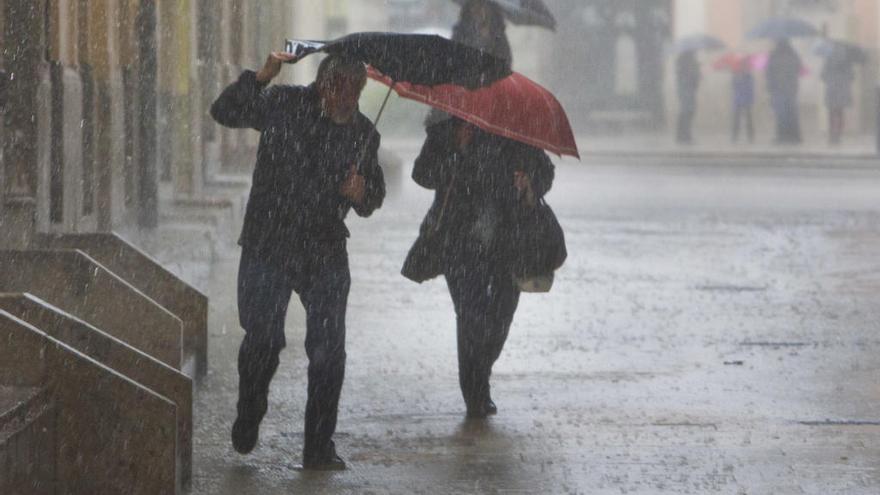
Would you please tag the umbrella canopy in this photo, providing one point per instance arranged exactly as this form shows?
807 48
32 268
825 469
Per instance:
439 31
759 61
845 50
698 42
514 107
777 28
735 62
524 12
421 59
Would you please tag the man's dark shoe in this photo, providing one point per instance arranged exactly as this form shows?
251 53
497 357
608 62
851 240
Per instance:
326 460
245 434
334 463
486 408
246 429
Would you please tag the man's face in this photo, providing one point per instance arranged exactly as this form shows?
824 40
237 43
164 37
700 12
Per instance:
339 96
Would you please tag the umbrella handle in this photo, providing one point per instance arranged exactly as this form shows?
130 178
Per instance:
375 125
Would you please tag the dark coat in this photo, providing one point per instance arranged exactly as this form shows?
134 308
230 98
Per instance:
783 75
743 89
838 74
687 73
302 161
474 196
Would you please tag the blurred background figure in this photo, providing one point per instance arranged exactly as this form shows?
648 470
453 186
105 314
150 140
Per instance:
482 25
687 72
783 73
743 87
838 74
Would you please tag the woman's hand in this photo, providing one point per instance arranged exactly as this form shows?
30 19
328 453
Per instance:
272 67
354 187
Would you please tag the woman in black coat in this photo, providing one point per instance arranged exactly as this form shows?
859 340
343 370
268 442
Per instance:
478 179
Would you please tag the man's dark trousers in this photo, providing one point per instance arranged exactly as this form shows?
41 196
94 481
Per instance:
320 276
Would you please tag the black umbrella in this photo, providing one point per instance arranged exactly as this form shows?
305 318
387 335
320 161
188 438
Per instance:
698 42
422 59
524 12
841 50
779 28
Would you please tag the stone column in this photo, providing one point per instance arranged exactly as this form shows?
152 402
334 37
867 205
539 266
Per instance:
145 75
107 142
24 61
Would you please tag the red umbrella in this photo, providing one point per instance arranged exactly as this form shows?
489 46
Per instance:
514 107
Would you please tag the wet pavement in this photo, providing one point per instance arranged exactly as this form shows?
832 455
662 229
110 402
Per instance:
715 330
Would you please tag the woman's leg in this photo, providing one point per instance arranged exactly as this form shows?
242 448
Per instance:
737 114
485 299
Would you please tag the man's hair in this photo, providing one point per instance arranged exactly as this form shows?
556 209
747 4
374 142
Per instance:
335 64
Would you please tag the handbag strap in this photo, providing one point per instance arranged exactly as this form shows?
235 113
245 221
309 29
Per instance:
445 203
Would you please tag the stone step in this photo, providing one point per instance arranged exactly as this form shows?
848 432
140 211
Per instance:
222 214
118 356
27 441
81 286
112 435
228 181
150 277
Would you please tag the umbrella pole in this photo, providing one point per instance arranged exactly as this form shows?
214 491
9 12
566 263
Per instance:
384 103
375 127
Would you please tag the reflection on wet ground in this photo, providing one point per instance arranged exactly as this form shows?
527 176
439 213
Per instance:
733 351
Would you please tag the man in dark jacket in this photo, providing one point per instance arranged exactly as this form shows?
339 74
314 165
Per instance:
317 159
838 74
783 73
687 72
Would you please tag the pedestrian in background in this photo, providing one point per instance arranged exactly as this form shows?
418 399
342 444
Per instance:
783 83
838 74
743 88
687 71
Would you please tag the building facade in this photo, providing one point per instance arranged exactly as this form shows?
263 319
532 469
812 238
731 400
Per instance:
105 104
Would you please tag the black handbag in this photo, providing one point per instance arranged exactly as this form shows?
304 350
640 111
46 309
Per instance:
424 260
537 242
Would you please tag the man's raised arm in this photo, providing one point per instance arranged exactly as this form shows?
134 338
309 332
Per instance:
246 102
